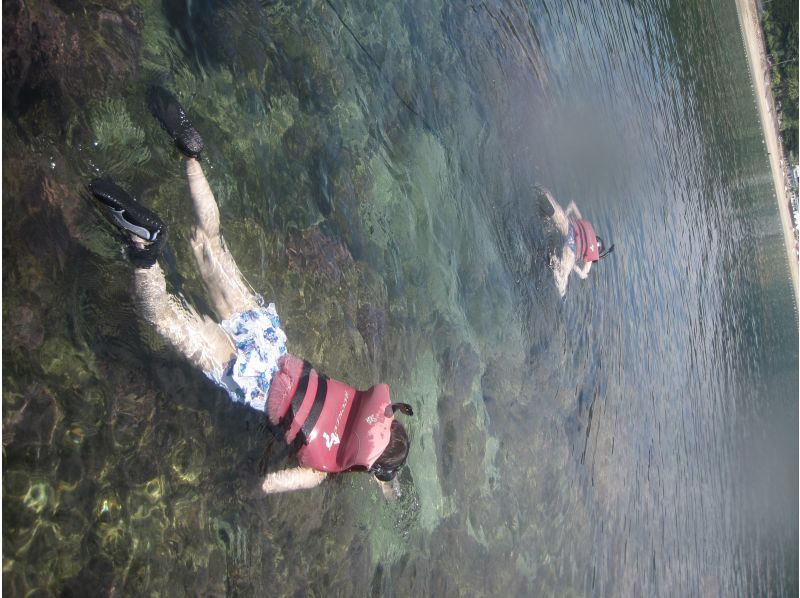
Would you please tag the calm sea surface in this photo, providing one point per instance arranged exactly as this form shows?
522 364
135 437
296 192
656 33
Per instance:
376 167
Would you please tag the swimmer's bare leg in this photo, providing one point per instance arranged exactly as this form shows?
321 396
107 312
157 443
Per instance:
226 286
562 266
559 216
228 291
201 340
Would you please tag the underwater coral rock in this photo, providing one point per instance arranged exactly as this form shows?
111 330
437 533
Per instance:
314 251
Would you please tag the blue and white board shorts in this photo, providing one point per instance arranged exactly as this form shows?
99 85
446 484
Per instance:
260 343
570 238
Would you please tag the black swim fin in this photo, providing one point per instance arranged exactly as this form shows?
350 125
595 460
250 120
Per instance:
131 216
166 108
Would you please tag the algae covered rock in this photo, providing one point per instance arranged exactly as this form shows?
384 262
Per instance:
372 323
316 253
50 53
23 327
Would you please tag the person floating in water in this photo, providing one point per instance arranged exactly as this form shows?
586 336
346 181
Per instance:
331 426
578 243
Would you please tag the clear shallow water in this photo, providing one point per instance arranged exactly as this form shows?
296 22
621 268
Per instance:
376 171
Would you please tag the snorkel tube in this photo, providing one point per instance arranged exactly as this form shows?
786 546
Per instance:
604 252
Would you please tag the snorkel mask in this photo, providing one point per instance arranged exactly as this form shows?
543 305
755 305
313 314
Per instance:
387 472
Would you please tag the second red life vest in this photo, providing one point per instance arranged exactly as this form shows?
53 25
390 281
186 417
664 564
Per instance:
586 246
340 427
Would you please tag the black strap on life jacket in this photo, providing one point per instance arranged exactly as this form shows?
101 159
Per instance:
316 408
297 403
297 398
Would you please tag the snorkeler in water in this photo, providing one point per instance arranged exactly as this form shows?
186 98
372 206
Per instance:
578 242
331 426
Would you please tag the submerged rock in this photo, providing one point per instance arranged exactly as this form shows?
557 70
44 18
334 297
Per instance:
461 365
96 577
462 448
372 323
33 422
313 251
49 54
24 327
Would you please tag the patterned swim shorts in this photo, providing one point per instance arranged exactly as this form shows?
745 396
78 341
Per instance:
570 239
260 343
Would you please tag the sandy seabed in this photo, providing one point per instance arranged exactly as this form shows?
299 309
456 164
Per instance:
752 33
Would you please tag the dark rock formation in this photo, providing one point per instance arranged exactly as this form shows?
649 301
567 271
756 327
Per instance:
314 251
52 53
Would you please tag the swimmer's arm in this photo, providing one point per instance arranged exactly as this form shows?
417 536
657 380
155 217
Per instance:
573 209
584 271
297 478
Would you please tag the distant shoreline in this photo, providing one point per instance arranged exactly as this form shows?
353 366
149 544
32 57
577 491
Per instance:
753 35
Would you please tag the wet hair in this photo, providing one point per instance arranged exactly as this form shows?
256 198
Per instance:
394 455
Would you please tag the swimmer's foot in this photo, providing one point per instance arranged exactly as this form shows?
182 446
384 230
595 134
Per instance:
148 232
166 108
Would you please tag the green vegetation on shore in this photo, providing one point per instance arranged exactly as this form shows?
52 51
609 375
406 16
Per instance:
780 20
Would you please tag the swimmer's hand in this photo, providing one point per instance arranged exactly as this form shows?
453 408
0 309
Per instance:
297 478
390 490
583 271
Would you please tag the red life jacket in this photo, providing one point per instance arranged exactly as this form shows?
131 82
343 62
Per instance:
586 247
340 427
